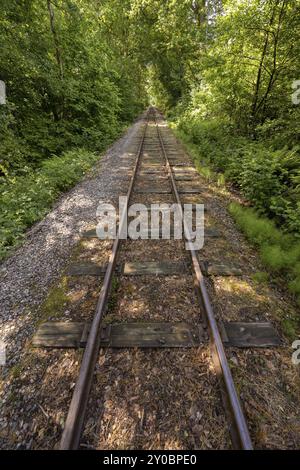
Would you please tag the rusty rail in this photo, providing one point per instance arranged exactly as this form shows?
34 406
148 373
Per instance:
241 433
76 414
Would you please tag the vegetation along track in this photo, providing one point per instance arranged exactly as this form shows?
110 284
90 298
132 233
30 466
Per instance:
155 167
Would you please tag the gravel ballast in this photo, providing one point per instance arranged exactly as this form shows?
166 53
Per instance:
25 277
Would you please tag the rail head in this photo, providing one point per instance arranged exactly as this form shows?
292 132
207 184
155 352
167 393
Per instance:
241 432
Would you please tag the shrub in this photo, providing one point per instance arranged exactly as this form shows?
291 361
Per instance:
269 178
26 199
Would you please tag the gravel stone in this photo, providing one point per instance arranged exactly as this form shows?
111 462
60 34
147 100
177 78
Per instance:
26 275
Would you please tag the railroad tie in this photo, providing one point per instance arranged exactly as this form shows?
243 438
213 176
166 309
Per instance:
137 268
162 268
210 268
70 335
154 233
153 190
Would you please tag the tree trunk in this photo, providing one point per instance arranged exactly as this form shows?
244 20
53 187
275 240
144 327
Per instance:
57 114
274 73
261 64
55 39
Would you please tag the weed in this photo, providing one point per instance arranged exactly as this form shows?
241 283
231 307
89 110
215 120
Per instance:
260 277
113 294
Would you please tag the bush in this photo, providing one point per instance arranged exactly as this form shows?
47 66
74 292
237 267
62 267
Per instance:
257 229
26 199
269 178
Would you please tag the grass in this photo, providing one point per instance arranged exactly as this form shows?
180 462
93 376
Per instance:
279 252
56 301
26 199
261 277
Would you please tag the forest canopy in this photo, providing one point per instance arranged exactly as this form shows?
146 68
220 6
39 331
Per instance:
70 78
75 70
228 73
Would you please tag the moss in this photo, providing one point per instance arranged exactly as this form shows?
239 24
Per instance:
260 277
52 308
290 327
55 303
16 370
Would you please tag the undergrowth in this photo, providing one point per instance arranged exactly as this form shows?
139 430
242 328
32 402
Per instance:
280 252
267 176
26 199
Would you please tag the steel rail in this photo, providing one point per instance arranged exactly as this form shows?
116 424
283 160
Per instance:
241 431
76 414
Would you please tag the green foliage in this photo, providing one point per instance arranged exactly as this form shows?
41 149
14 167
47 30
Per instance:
268 178
258 229
72 83
279 252
26 199
225 71
260 277
227 59
275 257
290 326
294 286
70 79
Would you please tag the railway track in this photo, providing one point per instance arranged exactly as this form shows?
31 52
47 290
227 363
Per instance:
153 149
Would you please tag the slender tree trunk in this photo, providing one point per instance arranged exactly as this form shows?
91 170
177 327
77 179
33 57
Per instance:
261 65
55 39
274 71
200 12
58 111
